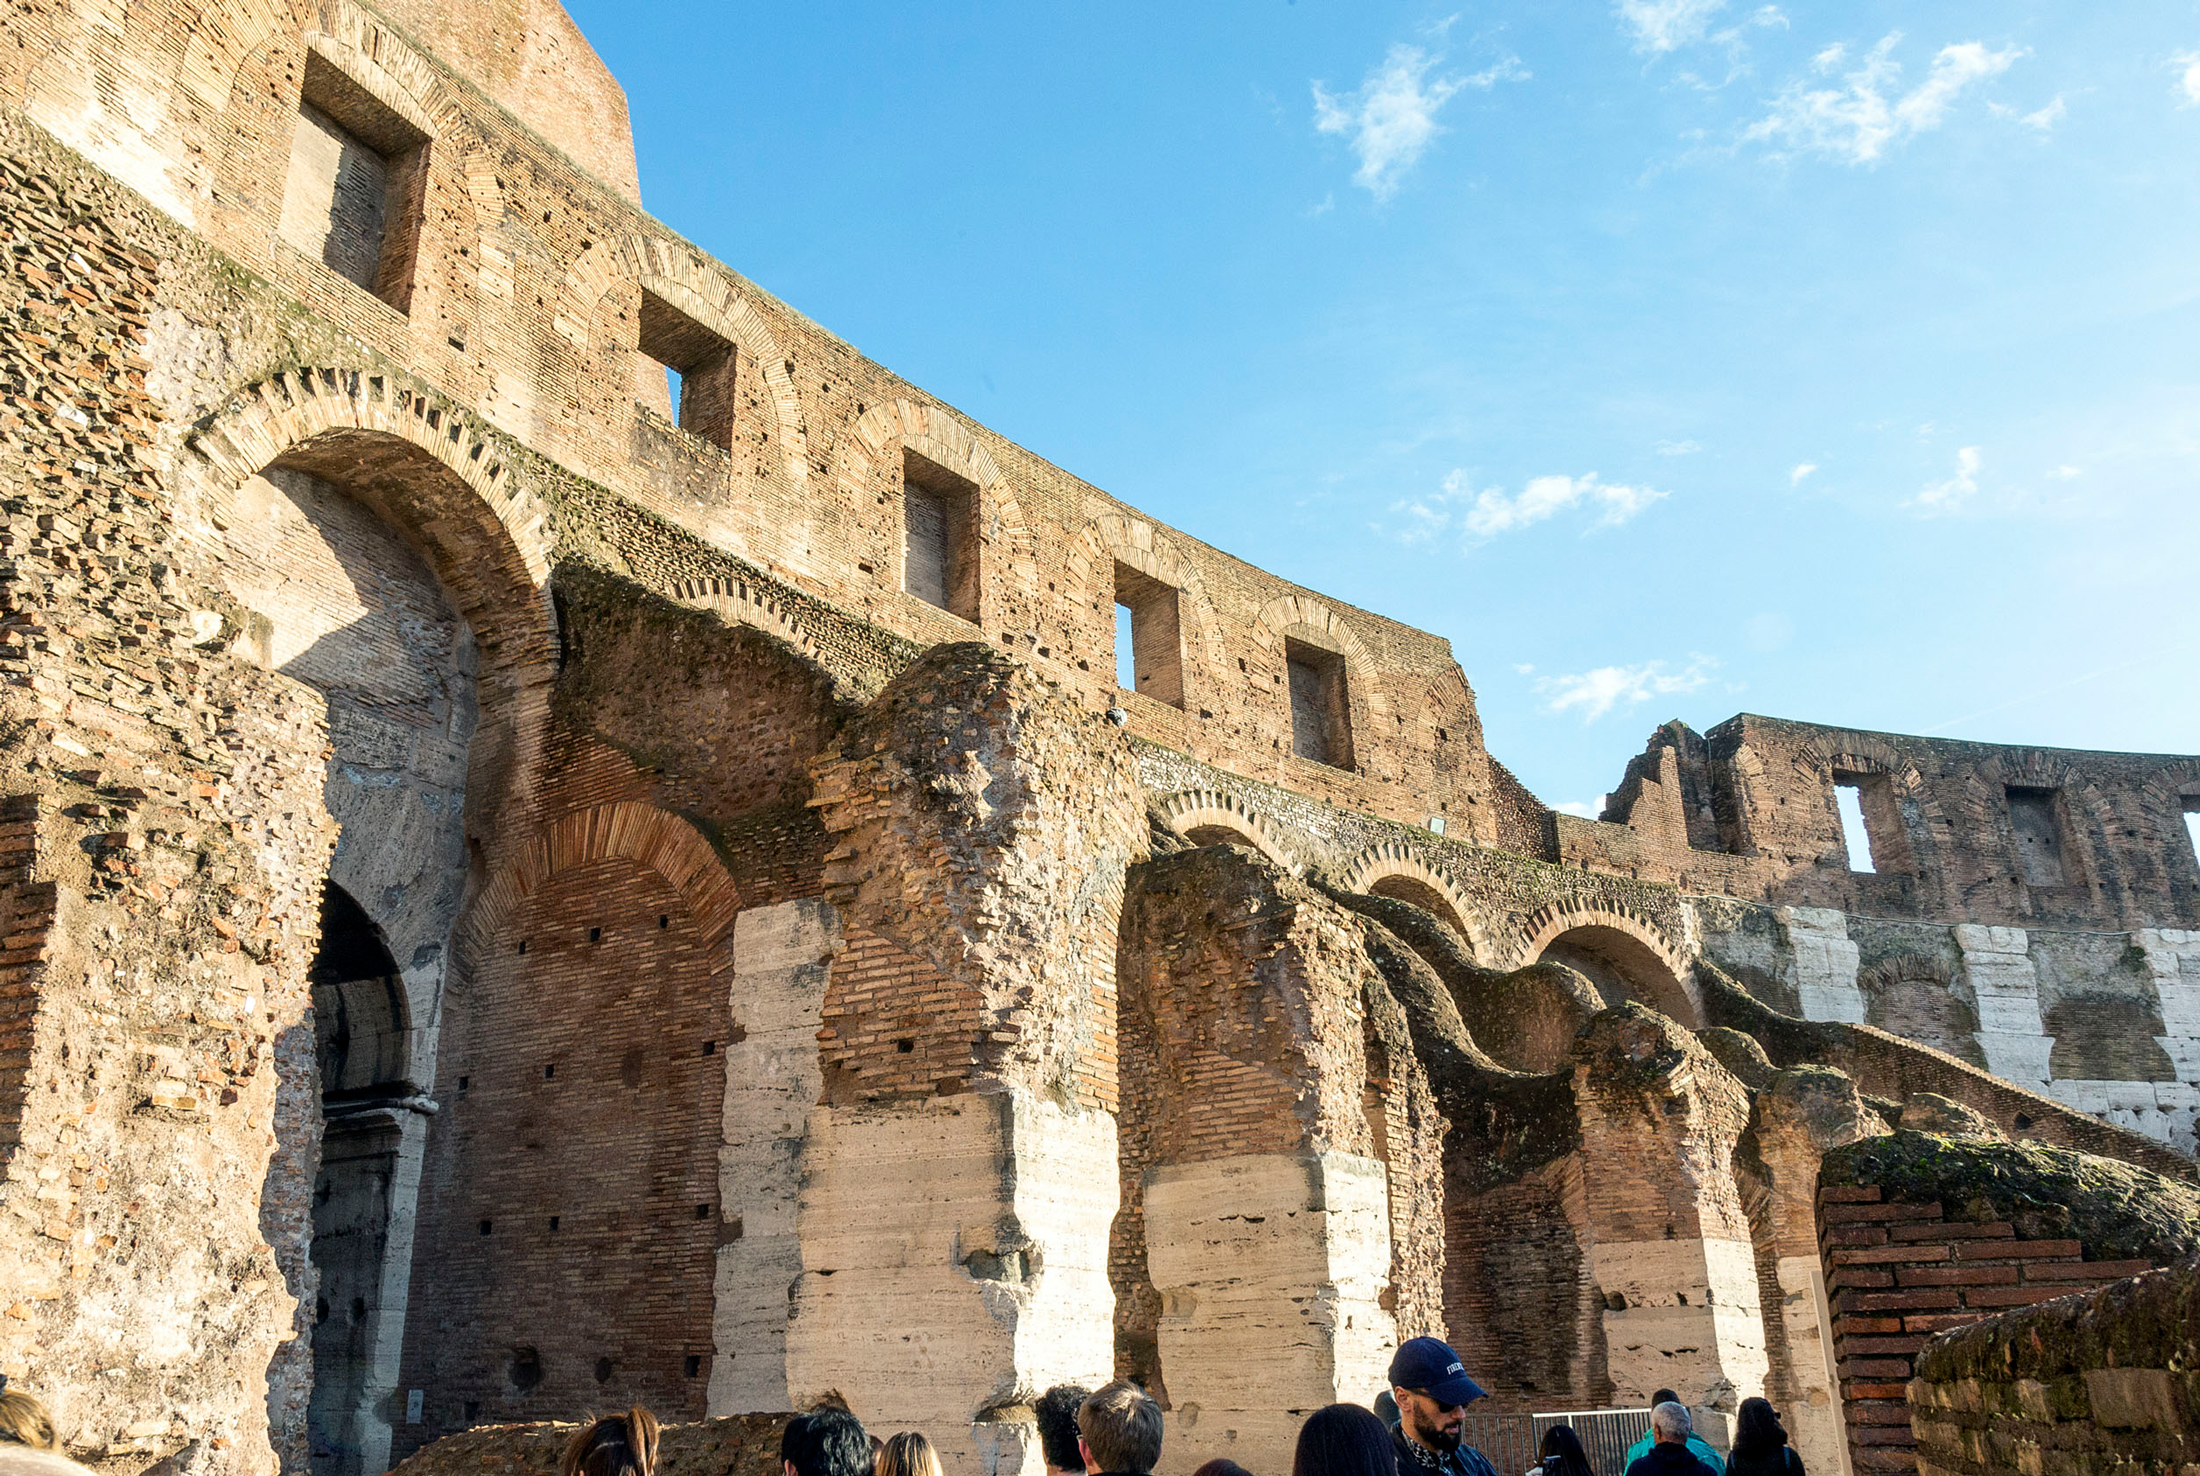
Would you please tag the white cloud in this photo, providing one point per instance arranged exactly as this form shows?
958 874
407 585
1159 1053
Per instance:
1868 113
2187 64
1665 25
1596 693
1524 668
1391 119
2046 118
1584 808
1678 448
1802 470
2065 473
1487 512
1949 496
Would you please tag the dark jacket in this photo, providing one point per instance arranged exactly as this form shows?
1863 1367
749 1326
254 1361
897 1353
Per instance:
1465 1461
1670 1460
1782 1462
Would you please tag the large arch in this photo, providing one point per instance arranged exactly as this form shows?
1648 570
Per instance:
1614 948
1394 869
1209 811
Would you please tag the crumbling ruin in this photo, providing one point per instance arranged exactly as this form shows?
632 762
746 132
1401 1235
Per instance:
519 896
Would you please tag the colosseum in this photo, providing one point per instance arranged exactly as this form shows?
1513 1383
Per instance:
522 896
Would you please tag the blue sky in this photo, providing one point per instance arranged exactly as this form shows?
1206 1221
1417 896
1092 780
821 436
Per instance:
1672 358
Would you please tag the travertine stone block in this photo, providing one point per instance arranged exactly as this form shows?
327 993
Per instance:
1998 967
782 956
954 1265
1825 964
1272 1270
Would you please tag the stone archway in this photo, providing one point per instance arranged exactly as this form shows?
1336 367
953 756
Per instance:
1208 817
1626 958
1393 869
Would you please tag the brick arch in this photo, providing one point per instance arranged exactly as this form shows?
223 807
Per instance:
1675 983
1197 809
444 485
1135 542
1388 859
740 603
679 275
940 436
1303 615
220 37
623 830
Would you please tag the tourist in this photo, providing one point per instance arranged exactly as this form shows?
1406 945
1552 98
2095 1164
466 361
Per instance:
1561 1453
1433 1392
1344 1440
825 1442
29 1443
616 1445
1119 1430
1222 1467
1696 1443
908 1454
1761 1443
1672 1450
1057 1414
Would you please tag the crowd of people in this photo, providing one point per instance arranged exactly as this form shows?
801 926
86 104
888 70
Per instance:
1417 1427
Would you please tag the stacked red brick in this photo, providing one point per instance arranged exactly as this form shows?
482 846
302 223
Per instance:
1897 1273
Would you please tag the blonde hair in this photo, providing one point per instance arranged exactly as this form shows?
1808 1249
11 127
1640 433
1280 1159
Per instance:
616 1445
908 1454
24 1420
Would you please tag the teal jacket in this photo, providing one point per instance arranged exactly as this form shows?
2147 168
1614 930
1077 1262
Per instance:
1697 1447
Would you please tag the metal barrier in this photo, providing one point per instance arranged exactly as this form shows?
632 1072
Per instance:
1512 1440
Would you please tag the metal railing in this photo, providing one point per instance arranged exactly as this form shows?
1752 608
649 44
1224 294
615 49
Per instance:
1512 1440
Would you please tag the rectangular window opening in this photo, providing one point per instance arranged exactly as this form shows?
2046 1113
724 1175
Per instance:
2039 835
2192 824
1321 713
1149 642
1848 795
939 512
699 370
355 193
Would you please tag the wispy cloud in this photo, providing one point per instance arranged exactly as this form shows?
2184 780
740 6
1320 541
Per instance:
1802 469
2187 66
1857 121
1678 448
1483 513
1584 808
1391 119
1935 498
1667 25
1596 693
2040 120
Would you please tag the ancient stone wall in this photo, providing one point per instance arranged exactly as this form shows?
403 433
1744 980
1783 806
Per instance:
1923 1234
2100 1381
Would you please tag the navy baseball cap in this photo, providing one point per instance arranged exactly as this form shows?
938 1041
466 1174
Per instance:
1429 1365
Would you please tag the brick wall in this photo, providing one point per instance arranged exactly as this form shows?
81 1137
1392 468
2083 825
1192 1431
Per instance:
2094 1382
1901 1272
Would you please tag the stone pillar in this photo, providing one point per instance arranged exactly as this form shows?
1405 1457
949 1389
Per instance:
1825 964
1997 964
782 956
1273 1271
954 1265
1669 1244
1797 1117
2173 958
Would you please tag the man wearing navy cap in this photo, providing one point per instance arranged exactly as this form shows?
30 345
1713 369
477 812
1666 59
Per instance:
1433 1392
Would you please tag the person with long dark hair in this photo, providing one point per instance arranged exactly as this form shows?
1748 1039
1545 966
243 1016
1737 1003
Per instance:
1344 1440
1561 1453
1761 1443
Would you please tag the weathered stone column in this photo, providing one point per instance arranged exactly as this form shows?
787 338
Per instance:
1997 964
1798 1116
1669 1244
1265 1192
1825 964
958 1174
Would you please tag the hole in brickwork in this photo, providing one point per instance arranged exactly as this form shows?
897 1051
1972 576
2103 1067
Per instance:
358 1309
548 1072
473 1410
939 514
595 935
1149 645
702 1212
523 945
1321 714
1855 834
664 921
2034 814
2192 825
553 1222
462 1081
694 1365
485 1227
320 1310
354 193
905 1045
710 1047
525 1369
699 370
603 1370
